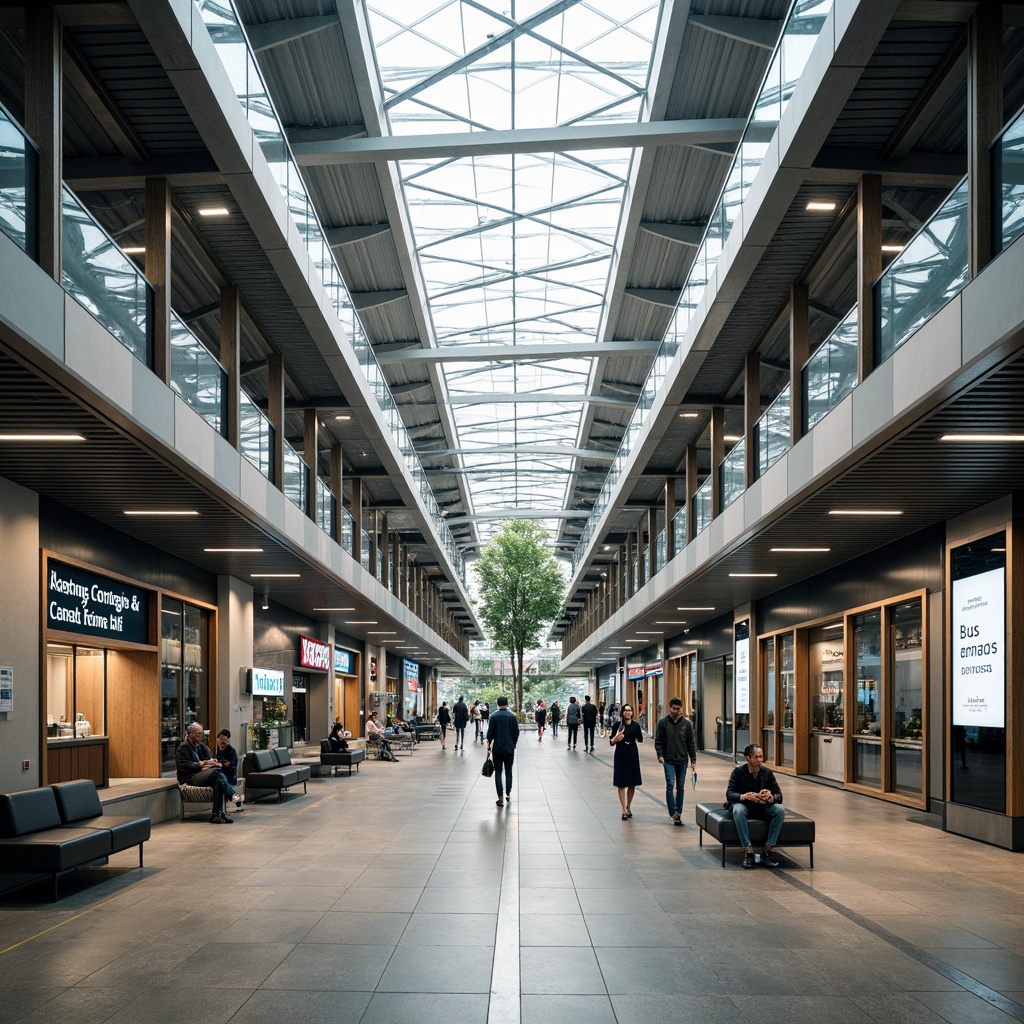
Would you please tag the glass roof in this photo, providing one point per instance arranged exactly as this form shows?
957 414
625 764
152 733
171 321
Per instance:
515 248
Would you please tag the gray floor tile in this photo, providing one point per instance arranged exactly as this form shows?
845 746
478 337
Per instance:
645 970
450 930
553 930
336 968
562 1009
397 900
272 1007
570 971
408 1008
358 928
437 968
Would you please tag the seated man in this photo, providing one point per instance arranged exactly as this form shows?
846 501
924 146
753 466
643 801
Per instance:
375 735
198 767
752 792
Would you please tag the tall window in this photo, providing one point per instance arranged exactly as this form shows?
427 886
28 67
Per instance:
184 675
867 742
770 684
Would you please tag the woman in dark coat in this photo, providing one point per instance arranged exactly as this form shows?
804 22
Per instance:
540 717
444 719
626 773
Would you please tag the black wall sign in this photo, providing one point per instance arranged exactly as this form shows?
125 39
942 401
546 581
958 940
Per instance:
82 602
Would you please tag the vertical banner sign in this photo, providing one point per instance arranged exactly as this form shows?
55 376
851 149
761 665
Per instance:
6 688
741 669
978 658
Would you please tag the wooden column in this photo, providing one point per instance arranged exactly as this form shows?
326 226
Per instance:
869 268
670 514
384 546
275 413
310 452
395 563
751 414
652 541
158 271
356 508
336 482
230 359
373 542
629 565
44 80
691 490
623 575
984 121
799 318
717 454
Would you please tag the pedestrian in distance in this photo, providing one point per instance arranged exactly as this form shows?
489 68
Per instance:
600 715
460 716
554 717
675 744
589 714
474 713
444 719
540 716
572 722
502 737
626 767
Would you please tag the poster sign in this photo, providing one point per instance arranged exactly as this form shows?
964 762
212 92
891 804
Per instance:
636 672
978 658
82 602
411 674
741 675
314 654
344 662
6 688
267 682
654 669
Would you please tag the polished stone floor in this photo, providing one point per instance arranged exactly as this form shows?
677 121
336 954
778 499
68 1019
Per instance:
403 895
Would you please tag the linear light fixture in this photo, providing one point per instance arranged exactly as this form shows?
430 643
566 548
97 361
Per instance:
732 437
688 415
798 550
754 575
213 211
664 622
274 575
362 622
334 609
381 632
696 608
982 438
821 206
865 512
55 438
893 248
834 625
161 512
342 417
133 250
239 551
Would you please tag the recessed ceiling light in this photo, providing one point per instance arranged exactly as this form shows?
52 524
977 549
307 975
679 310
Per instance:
243 551
649 632
342 417
982 438
800 549
688 415
334 609
213 211
666 622
133 250
273 575
893 248
695 608
161 512
834 625
56 438
382 632
998 549
821 205
362 622
732 437
864 512
756 575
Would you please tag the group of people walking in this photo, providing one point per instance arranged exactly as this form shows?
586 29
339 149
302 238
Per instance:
459 716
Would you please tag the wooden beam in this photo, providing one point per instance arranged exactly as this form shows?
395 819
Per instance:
869 268
984 121
798 355
230 354
158 271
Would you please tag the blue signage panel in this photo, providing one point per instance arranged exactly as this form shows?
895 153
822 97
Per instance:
267 682
411 673
82 602
344 662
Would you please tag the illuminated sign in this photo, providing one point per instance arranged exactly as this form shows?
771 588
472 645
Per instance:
267 682
82 602
978 658
314 654
344 662
741 670
411 673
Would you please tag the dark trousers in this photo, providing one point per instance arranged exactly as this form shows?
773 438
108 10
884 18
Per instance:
222 789
574 730
588 730
499 761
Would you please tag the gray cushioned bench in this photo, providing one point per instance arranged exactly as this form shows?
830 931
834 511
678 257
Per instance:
272 771
716 820
335 759
61 828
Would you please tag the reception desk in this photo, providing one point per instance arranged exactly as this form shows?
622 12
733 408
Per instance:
87 758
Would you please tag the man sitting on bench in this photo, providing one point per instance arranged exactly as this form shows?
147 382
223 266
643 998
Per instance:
198 767
753 792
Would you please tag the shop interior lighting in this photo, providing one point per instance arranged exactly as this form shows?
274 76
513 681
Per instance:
800 550
754 575
982 438
56 438
213 211
732 437
265 604
865 512
834 625
274 575
821 206
239 551
161 512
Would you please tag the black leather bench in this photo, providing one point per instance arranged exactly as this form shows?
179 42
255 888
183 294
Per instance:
272 771
717 821
56 830
335 759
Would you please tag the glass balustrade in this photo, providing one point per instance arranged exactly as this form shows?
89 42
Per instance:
803 26
659 552
348 526
773 432
733 470
931 270
679 530
255 436
702 506
225 28
1008 168
293 478
18 171
364 550
831 373
105 281
325 507
196 377
645 564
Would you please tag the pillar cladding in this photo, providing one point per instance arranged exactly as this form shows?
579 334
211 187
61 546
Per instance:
234 654
21 731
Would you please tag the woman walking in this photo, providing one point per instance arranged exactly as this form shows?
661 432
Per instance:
444 719
540 717
626 771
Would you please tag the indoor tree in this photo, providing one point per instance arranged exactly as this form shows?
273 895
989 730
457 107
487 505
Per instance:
521 590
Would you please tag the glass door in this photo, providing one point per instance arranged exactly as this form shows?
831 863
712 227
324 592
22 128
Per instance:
787 697
771 681
184 654
867 726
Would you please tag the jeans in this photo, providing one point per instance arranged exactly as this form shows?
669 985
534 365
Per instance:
675 786
774 814
499 761
574 729
554 730
588 730
479 735
460 735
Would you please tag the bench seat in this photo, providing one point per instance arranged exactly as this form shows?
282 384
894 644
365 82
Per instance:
272 771
717 821
336 759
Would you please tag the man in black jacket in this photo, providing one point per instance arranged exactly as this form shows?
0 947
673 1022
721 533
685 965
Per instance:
460 716
502 737
589 712
674 744
753 792
196 766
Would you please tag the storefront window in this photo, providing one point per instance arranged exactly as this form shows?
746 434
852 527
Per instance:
787 681
867 641
184 653
770 682
907 699
825 662
76 693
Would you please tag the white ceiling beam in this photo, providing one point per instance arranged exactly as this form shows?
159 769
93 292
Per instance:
557 450
326 133
337 237
684 234
483 398
277 33
511 353
514 513
368 300
563 139
758 32
658 296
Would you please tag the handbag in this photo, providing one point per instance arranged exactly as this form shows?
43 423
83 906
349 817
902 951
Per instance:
488 769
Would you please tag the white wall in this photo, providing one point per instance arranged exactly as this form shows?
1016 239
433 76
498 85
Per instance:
19 635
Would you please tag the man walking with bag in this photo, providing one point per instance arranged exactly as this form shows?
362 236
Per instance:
502 737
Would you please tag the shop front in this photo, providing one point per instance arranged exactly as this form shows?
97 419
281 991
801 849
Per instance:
347 690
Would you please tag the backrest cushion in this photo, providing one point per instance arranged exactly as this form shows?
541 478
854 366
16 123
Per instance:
264 760
282 756
77 800
325 747
31 811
